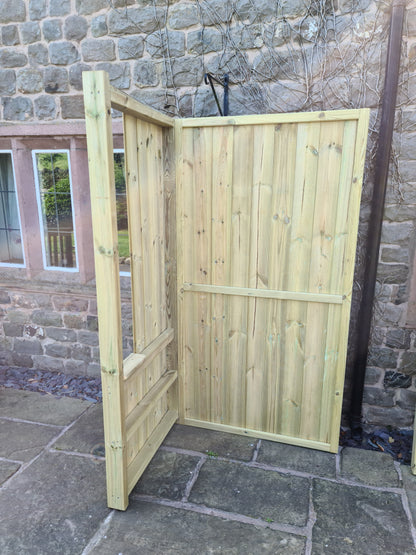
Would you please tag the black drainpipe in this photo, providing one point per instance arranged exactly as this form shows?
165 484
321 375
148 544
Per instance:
377 208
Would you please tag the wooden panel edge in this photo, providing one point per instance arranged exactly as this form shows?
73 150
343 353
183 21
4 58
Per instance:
128 105
264 119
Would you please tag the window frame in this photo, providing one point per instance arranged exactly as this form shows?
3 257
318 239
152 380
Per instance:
40 214
11 264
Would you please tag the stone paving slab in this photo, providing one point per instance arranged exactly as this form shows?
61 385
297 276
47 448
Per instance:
147 528
297 458
252 492
53 506
28 405
21 441
409 483
167 475
369 467
7 469
232 446
359 521
86 435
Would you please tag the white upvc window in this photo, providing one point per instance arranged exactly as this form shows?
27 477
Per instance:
121 208
11 247
52 171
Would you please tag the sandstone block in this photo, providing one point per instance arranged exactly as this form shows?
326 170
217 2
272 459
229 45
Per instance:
392 273
47 318
99 26
57 350
38 54
395 379
87 7
162 43
75 28
13 330
81 352
183 16
382 357
61 334
134 20
12 10
37 9
59 7
10 35
408 363
203 41
10 58
145 74
63 53
30 32
130 48
398 338
45 107
378 397
28 346
56 80
52 29
29 81
187 71
119 74
75 75
7 81
98 50
88 338
17 108
72 107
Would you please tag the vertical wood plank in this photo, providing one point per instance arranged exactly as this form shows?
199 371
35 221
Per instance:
282 215
202 191
303 207
258 324
323 235
239 274
103 207
222 160
169 170
348 273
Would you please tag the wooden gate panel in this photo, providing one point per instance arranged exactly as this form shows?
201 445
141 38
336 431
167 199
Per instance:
268 224
139 393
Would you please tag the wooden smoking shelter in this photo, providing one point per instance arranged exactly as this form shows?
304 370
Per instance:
242 239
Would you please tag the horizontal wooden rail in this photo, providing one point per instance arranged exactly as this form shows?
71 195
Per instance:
142 410
291 440
137 361
265 119
263 293
138 465
128 105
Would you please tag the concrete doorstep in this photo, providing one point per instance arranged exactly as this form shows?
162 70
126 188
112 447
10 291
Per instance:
203 492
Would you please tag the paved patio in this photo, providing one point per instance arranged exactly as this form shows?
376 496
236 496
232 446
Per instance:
204 492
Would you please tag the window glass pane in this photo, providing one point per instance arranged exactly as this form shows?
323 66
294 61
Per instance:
56 206
11 250
121 204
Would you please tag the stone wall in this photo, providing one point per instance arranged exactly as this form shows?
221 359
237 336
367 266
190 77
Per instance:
282 55
48 330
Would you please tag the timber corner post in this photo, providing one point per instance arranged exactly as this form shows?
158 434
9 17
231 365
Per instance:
97 99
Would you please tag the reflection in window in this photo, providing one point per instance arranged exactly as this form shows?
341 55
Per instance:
54 190
121 205
11 251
